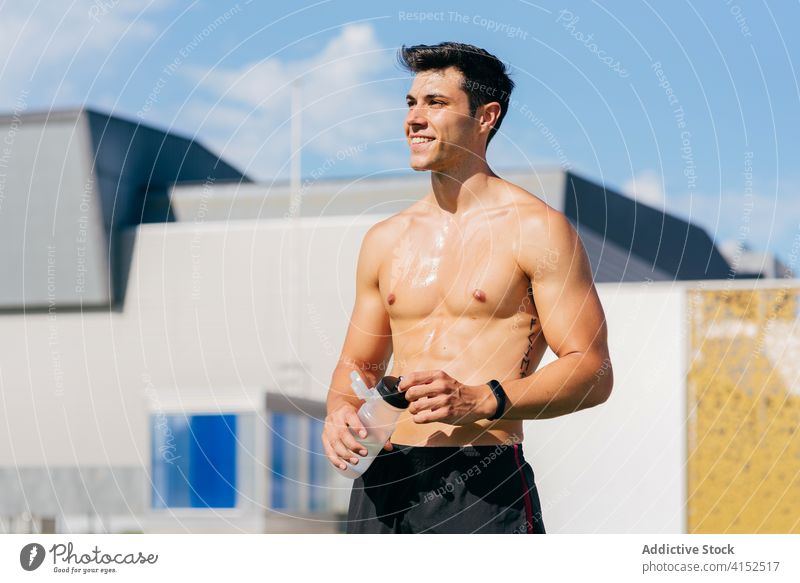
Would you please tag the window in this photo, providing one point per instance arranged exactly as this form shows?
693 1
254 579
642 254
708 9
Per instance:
300 471
286 455
193 461
319 468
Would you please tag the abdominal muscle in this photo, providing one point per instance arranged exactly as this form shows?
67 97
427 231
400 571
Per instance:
436 434
469 368
473 348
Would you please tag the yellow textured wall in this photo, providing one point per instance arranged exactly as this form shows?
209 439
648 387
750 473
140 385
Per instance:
743 417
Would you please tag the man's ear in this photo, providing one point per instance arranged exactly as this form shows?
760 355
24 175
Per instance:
489 114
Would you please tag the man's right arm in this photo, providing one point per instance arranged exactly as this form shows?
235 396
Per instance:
367 349
368 343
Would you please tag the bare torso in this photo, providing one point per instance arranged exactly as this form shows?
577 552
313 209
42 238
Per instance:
458 301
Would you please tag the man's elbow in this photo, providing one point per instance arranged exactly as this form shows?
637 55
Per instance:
604 391
602 383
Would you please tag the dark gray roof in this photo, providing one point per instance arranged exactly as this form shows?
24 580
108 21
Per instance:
661 242
72 182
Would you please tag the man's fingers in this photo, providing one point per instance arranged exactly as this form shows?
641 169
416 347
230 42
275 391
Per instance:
427 416
339 441
422 391
353 420
427 404
357 428
417 378
344 453
352 444
388 446
332 457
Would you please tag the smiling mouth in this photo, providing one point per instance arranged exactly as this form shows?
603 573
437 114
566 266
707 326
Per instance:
419 142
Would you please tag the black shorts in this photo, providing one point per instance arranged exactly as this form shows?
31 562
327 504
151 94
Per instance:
469 489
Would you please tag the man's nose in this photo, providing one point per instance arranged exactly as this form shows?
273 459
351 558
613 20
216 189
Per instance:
416 116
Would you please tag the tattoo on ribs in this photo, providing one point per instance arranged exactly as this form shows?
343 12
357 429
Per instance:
526 358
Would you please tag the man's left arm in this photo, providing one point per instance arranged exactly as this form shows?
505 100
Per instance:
573 323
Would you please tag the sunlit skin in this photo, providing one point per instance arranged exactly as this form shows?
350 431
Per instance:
471 283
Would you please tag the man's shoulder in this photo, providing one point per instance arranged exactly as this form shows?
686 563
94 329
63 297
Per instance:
544 234
388 229
536 217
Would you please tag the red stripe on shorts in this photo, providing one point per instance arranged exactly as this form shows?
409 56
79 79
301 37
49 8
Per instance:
526 492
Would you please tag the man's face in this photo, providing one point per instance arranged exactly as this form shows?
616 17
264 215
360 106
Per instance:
438 108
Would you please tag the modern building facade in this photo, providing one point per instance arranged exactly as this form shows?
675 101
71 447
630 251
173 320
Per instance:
169 330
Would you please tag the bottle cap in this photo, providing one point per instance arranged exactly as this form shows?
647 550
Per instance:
387 388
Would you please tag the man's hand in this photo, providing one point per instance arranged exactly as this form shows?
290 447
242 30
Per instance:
436 396
339 441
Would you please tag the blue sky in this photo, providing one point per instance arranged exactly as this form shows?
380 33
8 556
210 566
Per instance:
691 107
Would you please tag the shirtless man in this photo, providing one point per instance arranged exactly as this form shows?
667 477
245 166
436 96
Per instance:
468 285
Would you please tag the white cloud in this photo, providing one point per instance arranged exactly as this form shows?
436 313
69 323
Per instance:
349 59
342 99
763 220
39 42
646 187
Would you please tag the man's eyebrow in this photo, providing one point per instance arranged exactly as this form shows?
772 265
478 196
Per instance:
428 96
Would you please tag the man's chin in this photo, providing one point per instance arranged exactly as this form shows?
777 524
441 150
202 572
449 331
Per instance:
420 165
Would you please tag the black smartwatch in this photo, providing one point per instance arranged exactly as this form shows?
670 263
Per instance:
500 395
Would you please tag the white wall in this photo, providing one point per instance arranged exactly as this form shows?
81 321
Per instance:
51 221
619 467
211 318
76 386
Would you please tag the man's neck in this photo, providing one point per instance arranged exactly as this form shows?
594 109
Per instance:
463 188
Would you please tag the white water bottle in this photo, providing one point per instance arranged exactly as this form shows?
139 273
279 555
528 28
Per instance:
383 405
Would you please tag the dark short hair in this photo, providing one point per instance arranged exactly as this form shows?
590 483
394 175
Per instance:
485 76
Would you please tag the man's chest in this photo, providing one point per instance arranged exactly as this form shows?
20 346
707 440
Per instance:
470 277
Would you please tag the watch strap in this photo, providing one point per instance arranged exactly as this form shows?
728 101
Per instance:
501 397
